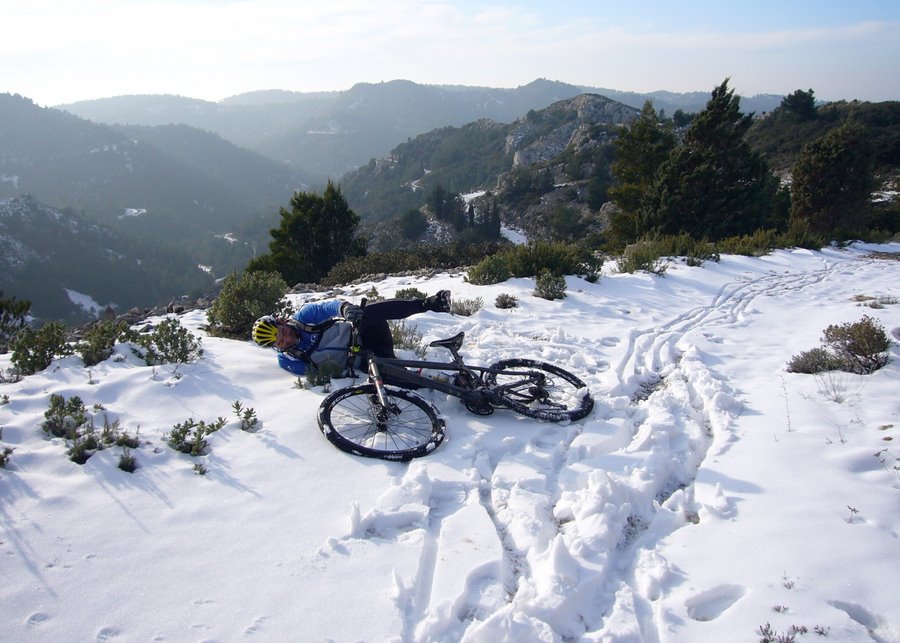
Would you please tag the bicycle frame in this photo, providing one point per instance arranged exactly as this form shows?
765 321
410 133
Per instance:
476 395
382 417
397 371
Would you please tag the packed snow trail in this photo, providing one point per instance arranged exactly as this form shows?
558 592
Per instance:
553 532
632 524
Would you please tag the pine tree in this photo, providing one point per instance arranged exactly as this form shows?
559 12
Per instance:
833 181
314 235
801 105
640 150
713 185
13 318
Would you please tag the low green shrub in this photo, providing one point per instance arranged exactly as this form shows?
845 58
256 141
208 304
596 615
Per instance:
64 417
466 307
695 251
247 416
506 301
100 338
862 347
758 244
816 360
5 453
372 295
112 435
798 235
83 445
170 343
323 374
859 347
189 437
407 337
430 256
70 420
127 461
410 293
491 270
549 285
34 350
530 259
643 255
244 298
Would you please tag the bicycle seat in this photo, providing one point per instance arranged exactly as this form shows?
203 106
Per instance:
453 343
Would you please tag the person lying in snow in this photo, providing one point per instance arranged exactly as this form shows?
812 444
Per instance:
299 348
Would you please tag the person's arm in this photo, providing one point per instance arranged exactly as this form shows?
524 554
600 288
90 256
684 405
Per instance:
317 312
291 364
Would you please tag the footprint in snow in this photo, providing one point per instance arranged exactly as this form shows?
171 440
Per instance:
107 633
37 618
712 603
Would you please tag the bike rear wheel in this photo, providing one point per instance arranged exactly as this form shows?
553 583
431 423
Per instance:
354 421
540 390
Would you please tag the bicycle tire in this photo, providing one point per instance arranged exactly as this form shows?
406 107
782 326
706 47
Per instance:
353 421
560 396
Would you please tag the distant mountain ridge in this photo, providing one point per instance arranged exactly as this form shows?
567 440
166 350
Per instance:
515 165
330 133
187 184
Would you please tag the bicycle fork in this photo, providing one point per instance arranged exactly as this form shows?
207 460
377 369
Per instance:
375 377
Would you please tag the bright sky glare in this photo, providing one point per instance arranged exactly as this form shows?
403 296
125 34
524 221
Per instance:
56 51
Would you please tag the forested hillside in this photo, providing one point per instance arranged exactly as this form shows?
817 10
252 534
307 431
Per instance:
175 186
548 173
57 259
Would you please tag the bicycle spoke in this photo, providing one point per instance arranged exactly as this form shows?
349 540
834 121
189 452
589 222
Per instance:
540 390
357 422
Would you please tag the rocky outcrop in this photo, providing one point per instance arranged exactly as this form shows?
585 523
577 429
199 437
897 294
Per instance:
543 136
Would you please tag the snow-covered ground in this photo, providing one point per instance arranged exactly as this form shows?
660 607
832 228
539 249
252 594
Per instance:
711 495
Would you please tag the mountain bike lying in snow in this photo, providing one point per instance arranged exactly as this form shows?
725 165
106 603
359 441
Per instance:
389 421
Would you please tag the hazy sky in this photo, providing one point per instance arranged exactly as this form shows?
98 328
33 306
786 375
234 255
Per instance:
58 51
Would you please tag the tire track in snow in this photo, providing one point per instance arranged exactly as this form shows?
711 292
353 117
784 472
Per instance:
656 374
614 497
650 350
571 514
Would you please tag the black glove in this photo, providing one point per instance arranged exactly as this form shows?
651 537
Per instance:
351 312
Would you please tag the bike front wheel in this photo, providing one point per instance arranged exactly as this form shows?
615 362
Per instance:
539 390
355 421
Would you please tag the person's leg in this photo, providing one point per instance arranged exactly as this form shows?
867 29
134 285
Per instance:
403 308
385 309
374 332
375 335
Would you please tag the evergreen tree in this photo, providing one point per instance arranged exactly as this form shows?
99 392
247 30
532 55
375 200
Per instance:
495 228
565 224
13 317
412 224
438 200
640 150
801 105
833 181
713 185
313 236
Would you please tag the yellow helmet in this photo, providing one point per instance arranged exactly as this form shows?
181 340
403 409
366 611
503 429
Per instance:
265 331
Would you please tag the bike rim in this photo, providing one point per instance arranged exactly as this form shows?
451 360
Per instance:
404 427
549 393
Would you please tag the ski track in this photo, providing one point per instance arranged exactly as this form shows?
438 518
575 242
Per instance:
591 479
